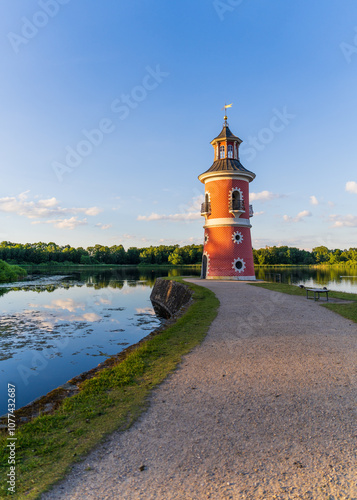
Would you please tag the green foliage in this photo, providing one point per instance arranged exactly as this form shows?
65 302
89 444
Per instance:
175 258
49 254
10 273
294 256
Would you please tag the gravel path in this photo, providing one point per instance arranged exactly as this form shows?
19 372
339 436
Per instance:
264 408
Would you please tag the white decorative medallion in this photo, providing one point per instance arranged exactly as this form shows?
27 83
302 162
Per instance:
237 237
238 265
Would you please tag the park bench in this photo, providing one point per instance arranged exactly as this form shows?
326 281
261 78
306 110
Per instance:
317 291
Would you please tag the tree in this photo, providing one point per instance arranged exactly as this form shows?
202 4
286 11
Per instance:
175 258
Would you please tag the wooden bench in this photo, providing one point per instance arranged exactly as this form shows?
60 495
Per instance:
317 291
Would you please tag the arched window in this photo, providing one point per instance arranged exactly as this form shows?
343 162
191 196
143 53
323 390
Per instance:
236 201
230 151
221 152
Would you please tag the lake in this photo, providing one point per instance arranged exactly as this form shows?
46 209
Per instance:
54 327
342 279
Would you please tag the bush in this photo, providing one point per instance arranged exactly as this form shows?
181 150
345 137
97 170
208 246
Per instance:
10 273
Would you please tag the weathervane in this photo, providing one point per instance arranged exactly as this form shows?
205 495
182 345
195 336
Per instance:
225 113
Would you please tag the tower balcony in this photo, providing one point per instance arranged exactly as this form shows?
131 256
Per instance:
206 208
236 207
251 211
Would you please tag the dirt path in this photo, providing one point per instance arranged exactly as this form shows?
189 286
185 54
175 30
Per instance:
265 408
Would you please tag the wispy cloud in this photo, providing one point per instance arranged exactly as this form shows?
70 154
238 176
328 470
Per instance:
21 205
343 220
300 216
264 196
175 217
314 200
71 223
351 187
103 226
189 212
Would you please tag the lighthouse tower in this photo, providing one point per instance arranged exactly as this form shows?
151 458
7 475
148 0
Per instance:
227 252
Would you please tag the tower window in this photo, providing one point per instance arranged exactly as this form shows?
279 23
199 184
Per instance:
236 202
221 152
230 151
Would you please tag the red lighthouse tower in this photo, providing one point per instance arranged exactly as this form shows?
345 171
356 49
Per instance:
227 252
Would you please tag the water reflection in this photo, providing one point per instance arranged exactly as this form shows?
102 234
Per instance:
343 279
53 328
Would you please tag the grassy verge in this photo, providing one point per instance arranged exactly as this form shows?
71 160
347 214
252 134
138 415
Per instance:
47 446
348 311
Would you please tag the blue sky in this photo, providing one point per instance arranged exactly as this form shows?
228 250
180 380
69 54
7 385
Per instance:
108 110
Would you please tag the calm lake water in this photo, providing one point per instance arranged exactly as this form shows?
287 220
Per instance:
54 327
343 279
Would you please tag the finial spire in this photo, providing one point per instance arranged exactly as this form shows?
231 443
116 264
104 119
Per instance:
225 115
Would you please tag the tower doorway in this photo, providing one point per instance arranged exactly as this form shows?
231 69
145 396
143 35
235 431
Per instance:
204 267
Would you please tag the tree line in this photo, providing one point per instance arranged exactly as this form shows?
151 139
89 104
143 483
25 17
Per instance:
294 256
48 253
51 253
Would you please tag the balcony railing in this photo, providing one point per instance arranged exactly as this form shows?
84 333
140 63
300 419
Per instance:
251 211
236 206
206 208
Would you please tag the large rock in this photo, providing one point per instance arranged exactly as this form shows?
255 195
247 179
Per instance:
167 297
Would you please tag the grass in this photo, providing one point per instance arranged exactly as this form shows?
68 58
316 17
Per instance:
114 399
348 311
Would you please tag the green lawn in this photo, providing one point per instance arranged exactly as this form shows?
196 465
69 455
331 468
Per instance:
47 446
348 311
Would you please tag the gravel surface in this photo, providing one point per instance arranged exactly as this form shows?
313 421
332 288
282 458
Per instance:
264 408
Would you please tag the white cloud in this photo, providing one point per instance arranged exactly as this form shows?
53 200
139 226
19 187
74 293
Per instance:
256 214
71 223
51 202
351 187
103 226
92 211
189 212
300 216
22 206
344 220
314 200
176 217
263 196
